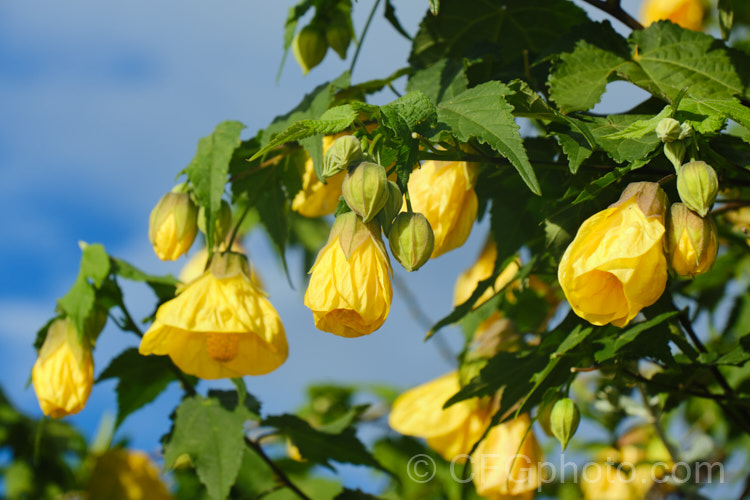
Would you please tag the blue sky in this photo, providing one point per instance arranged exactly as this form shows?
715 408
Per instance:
102 104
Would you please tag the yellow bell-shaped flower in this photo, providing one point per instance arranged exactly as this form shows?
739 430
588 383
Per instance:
615 266
452 431
196 265
507 461
126 475
350 288
219 325
687 13
64 371
481 270
444 193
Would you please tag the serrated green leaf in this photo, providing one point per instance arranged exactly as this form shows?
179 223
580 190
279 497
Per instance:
390 15
621 150
502 29
575 147
669 58
322 447
78 302
580 77
94 263
213 437
332 121
208 170
441 81
616 344
273 208
412 112
715 111
639 128
141 380
482 113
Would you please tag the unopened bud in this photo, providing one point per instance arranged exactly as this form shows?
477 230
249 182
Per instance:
544 414
309 48
564 420
668 130
686 131
222 224
651 198
365 190
692 241
697 185
345 152
172 225
411 240
392 207
675 152
338 36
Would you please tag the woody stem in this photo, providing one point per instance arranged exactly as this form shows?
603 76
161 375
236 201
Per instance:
615 10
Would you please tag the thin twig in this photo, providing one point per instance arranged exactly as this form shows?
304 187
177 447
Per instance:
730 205
656 422
362 38
280 474
614 10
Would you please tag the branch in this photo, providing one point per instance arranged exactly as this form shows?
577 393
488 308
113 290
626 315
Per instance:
614 10
280 474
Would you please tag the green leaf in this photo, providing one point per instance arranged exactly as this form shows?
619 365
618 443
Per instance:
208 170
441 81
230 400
434 7
575 147
669 58
621 150
639 128
290 27
141 380
213 437
580 77
322 447
390 15
163 286
482 113
622 339
273 210
502 30
591 190
715 111
78 302
332 121
412 112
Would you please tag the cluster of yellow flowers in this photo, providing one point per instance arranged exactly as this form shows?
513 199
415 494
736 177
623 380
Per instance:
617 263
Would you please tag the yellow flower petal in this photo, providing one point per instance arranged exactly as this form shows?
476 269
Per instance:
444 193
687 13
351 297
63 374
126 475
615 266
219 327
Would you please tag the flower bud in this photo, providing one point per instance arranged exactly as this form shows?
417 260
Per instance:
564 420
309 48
650 197
675 152
345 152
222 225
692 241
64 371
668 130
544 415
411 240
392 207
338 36
365 190
172 225
697 185
686 131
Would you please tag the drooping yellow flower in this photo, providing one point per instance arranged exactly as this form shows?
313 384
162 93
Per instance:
173 225
687 13
481 270
444 193
350 289
220 325
615 266
507 462
452 431
126 475
64 371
